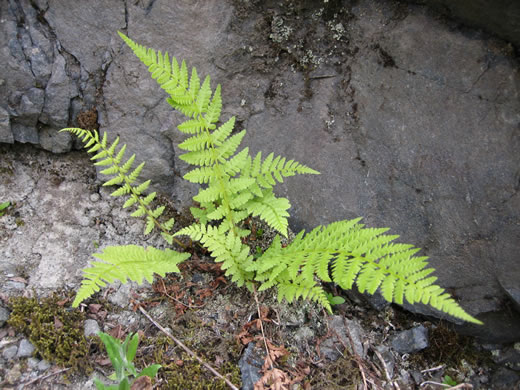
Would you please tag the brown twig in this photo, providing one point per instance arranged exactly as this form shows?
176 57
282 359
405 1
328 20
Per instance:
179 301
262 326
43 377
189 351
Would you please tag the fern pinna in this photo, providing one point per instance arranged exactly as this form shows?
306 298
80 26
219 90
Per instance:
236 185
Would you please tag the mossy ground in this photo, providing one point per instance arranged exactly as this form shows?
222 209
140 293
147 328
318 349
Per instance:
56 332
213 317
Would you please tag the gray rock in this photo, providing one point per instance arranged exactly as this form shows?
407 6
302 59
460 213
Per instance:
30 107
411 340
413 127
345 334
56 142
25 349
6 134
33 363
43 365
59 92
91 328
23 133
504 379
4 316
250 365
10 352
500 17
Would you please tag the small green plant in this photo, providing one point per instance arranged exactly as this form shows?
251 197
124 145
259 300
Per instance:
235 186
335 300
121 355
448 380
4 206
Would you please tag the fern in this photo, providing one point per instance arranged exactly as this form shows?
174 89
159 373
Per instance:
355 254
126 178
235 186
127 262
234 183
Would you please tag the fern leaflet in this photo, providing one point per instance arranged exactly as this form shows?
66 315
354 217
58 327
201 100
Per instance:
127 262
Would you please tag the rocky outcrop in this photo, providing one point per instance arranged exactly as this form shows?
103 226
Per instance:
413 124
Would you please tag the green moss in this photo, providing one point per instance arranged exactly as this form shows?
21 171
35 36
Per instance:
56 333
180 370
191 375
342 374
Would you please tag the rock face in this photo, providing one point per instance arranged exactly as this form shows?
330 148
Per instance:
412 123
501 17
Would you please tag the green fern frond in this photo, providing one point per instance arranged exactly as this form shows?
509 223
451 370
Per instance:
226 247
235 185
356 255
129 262
108 155
271 209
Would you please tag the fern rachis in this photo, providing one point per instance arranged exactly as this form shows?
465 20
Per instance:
235 186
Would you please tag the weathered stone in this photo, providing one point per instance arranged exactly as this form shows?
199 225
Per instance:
91 328
10 352
58 95
6 134
250 365
51 139
4 316
30 107
411 340
346 334
43 365
412 123
25 349
500 17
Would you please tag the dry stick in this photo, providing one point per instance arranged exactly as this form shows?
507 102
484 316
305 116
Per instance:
189 351
43 377
387 374
459 386
262 326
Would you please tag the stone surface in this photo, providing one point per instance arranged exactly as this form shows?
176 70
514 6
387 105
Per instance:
412 121
250 365
91 328
4 316
10 352
346 334
6 135
25 349
411 340
501 17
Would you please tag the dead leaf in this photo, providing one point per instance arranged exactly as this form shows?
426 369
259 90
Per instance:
57 323
94 307
142 383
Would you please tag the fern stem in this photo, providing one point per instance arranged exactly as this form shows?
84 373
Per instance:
261 325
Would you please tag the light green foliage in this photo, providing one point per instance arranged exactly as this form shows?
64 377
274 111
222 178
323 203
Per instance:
335 300
127 262
236 186
121 356
355 254
4 206
123 175
448 380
